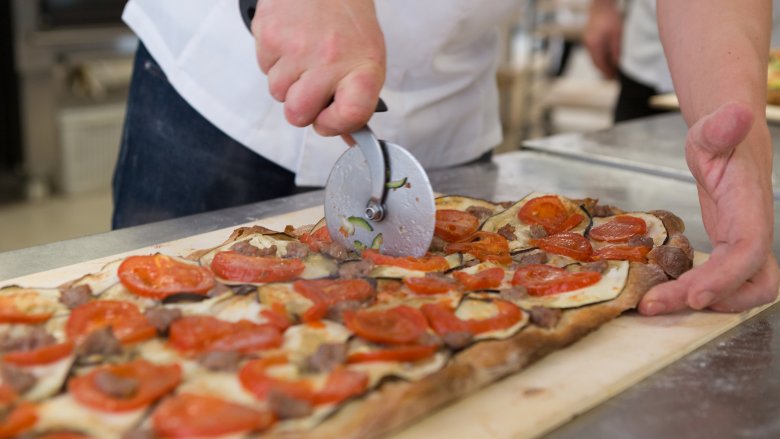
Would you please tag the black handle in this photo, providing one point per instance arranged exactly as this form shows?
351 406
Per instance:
248 8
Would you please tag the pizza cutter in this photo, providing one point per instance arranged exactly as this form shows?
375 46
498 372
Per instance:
379 196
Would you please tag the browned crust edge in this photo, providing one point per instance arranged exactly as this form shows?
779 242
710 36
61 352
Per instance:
398 403
237 234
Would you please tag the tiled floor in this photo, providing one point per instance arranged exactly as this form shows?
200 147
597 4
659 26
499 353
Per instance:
54 219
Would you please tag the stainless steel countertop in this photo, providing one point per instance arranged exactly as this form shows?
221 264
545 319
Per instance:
728 388
653 144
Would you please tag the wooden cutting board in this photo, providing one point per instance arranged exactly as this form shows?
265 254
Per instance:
544 396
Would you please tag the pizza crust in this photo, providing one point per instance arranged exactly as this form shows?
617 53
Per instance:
397 403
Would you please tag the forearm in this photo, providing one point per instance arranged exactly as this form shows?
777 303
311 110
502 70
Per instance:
717 52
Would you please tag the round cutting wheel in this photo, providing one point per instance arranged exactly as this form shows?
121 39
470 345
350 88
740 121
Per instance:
409 207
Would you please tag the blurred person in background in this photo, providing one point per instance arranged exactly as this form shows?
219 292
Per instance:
205 129
626 45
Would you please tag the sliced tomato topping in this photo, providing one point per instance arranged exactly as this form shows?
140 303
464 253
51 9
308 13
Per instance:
154 381
443 319
508 315
125 319
399 325
187 415
198 334
429 285
482 280
568 244
549 212
455 225
622 252
315 240
327 292
159 276
340 384
544 280
394 354
43 355
12 308
277 316
619 229
20 419
425 263
485 246
255 269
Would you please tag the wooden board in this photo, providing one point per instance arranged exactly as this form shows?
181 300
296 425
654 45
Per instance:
669 102
528 404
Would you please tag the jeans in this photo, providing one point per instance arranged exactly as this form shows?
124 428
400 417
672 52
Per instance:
173 162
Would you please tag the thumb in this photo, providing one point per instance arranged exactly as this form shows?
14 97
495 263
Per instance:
722 130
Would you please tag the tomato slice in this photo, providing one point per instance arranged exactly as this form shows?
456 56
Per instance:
315 240
255 269
20 419
43 355
188 415
198 334
568 244
549 212
483 280
125 319
619 229
394 354
154 381
485 246
544 280
277 316
622 252
429 285
340 384
327 292
399 325
443 319
455 225
12 308
159 276
508 315
425 263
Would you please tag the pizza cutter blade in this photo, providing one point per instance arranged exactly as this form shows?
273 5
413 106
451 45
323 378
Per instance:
379 196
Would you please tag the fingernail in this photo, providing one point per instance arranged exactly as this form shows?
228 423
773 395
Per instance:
653 308
703 300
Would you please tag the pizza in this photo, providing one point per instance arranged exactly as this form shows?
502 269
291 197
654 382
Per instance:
773 78
287 334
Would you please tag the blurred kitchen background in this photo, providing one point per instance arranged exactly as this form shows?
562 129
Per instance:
65 67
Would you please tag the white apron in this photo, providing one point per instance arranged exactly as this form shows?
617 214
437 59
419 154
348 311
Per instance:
442 57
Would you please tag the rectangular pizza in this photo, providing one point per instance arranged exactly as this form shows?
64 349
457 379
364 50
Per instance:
287 334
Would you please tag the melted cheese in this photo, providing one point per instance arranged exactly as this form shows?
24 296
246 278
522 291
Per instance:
456 202
102 280
50 378
35 301
119 292
610 286
410 371
301 341
283 293
64 413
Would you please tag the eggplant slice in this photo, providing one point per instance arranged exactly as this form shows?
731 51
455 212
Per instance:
522 230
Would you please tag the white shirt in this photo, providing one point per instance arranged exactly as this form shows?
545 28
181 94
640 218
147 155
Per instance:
642 55
442 57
